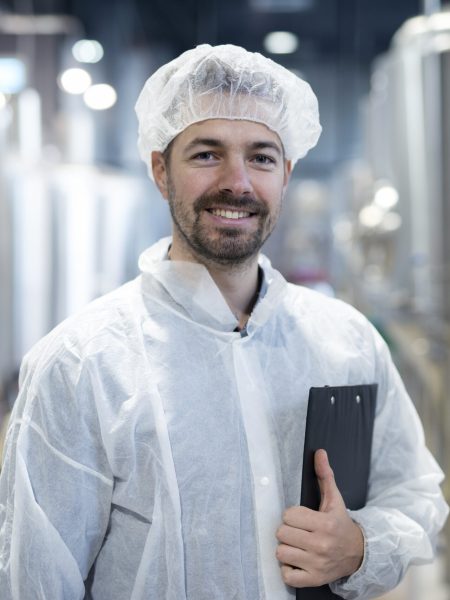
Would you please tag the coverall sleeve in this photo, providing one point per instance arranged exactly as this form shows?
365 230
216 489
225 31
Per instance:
405 509
55 485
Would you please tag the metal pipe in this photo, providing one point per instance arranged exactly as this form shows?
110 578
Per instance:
39 24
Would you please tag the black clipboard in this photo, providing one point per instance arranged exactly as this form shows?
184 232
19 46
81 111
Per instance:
340 420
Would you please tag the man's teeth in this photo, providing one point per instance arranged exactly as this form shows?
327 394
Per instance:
229 214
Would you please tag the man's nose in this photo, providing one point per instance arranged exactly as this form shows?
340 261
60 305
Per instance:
235 178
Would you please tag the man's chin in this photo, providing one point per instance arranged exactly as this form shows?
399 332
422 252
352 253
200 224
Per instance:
229 254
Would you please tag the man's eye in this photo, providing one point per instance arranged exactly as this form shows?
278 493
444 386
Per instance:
203 156
263 159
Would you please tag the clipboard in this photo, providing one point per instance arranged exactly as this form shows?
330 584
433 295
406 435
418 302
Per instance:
340 420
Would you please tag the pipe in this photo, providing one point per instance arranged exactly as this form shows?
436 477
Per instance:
39 24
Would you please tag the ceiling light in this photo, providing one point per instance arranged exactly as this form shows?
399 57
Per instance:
278 6
371 216
12 75
386 197
75 81
281 42
87 51
100 96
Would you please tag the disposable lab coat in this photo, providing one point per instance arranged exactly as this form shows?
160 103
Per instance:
152 449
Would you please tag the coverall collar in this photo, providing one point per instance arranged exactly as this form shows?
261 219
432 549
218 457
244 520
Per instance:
190 289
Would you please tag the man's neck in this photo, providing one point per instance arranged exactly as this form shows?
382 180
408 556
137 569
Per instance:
239 288
239 284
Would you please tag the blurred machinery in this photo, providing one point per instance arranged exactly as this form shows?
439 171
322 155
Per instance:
69 230
392 235
68 234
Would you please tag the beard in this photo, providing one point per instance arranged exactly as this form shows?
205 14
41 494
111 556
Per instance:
229 246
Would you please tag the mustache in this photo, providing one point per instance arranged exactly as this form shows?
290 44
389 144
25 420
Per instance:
245 202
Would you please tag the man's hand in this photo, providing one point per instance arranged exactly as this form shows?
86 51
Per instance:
317 547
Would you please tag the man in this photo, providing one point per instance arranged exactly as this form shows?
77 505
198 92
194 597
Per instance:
155 449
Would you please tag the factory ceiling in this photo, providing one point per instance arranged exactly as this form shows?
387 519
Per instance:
354 30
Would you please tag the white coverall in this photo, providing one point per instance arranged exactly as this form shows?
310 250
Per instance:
152 449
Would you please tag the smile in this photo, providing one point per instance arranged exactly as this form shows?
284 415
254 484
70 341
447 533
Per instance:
229 214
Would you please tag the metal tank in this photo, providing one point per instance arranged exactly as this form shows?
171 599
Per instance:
70 230
409 145
70 233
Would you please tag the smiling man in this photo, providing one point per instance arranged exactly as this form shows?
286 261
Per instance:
236 173
224 181
155 450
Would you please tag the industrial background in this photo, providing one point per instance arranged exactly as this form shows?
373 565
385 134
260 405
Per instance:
368 211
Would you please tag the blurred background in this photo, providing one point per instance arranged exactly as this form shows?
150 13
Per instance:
368 210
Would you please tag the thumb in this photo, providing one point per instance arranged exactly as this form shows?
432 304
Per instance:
330 496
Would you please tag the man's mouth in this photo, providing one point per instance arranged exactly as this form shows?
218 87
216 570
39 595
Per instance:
229 214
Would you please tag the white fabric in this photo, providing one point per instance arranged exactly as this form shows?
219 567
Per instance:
131 467
226 82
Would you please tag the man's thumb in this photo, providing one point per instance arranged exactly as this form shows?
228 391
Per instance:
330 496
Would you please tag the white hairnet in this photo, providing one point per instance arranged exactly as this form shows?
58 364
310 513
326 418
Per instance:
226 82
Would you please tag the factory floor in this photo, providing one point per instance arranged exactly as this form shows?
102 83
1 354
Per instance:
422 583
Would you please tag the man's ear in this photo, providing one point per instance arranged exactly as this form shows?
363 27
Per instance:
160 175
287 173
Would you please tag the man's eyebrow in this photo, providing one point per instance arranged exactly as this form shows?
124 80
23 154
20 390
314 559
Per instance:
216 143
266 144
203 142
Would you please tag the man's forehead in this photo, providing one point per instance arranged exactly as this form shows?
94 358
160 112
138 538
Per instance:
229 130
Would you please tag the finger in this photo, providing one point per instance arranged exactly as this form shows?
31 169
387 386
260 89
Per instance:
294 557
297 578
301 518
298 538
330 495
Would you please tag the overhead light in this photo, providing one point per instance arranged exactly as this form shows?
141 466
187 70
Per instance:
12 75
281 42
100 96
386 197
281 5
87 51
75 81
14 24
371 216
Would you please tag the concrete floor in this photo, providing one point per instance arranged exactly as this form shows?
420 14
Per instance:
422 583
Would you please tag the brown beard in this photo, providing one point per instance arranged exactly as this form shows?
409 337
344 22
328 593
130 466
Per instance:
234 246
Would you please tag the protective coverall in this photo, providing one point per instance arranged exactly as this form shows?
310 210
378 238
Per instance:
152 449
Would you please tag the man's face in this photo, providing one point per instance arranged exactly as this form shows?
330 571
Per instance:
224 181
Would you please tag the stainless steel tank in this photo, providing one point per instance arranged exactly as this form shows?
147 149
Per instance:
409 144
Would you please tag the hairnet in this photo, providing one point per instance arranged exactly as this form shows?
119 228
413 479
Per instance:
226 82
